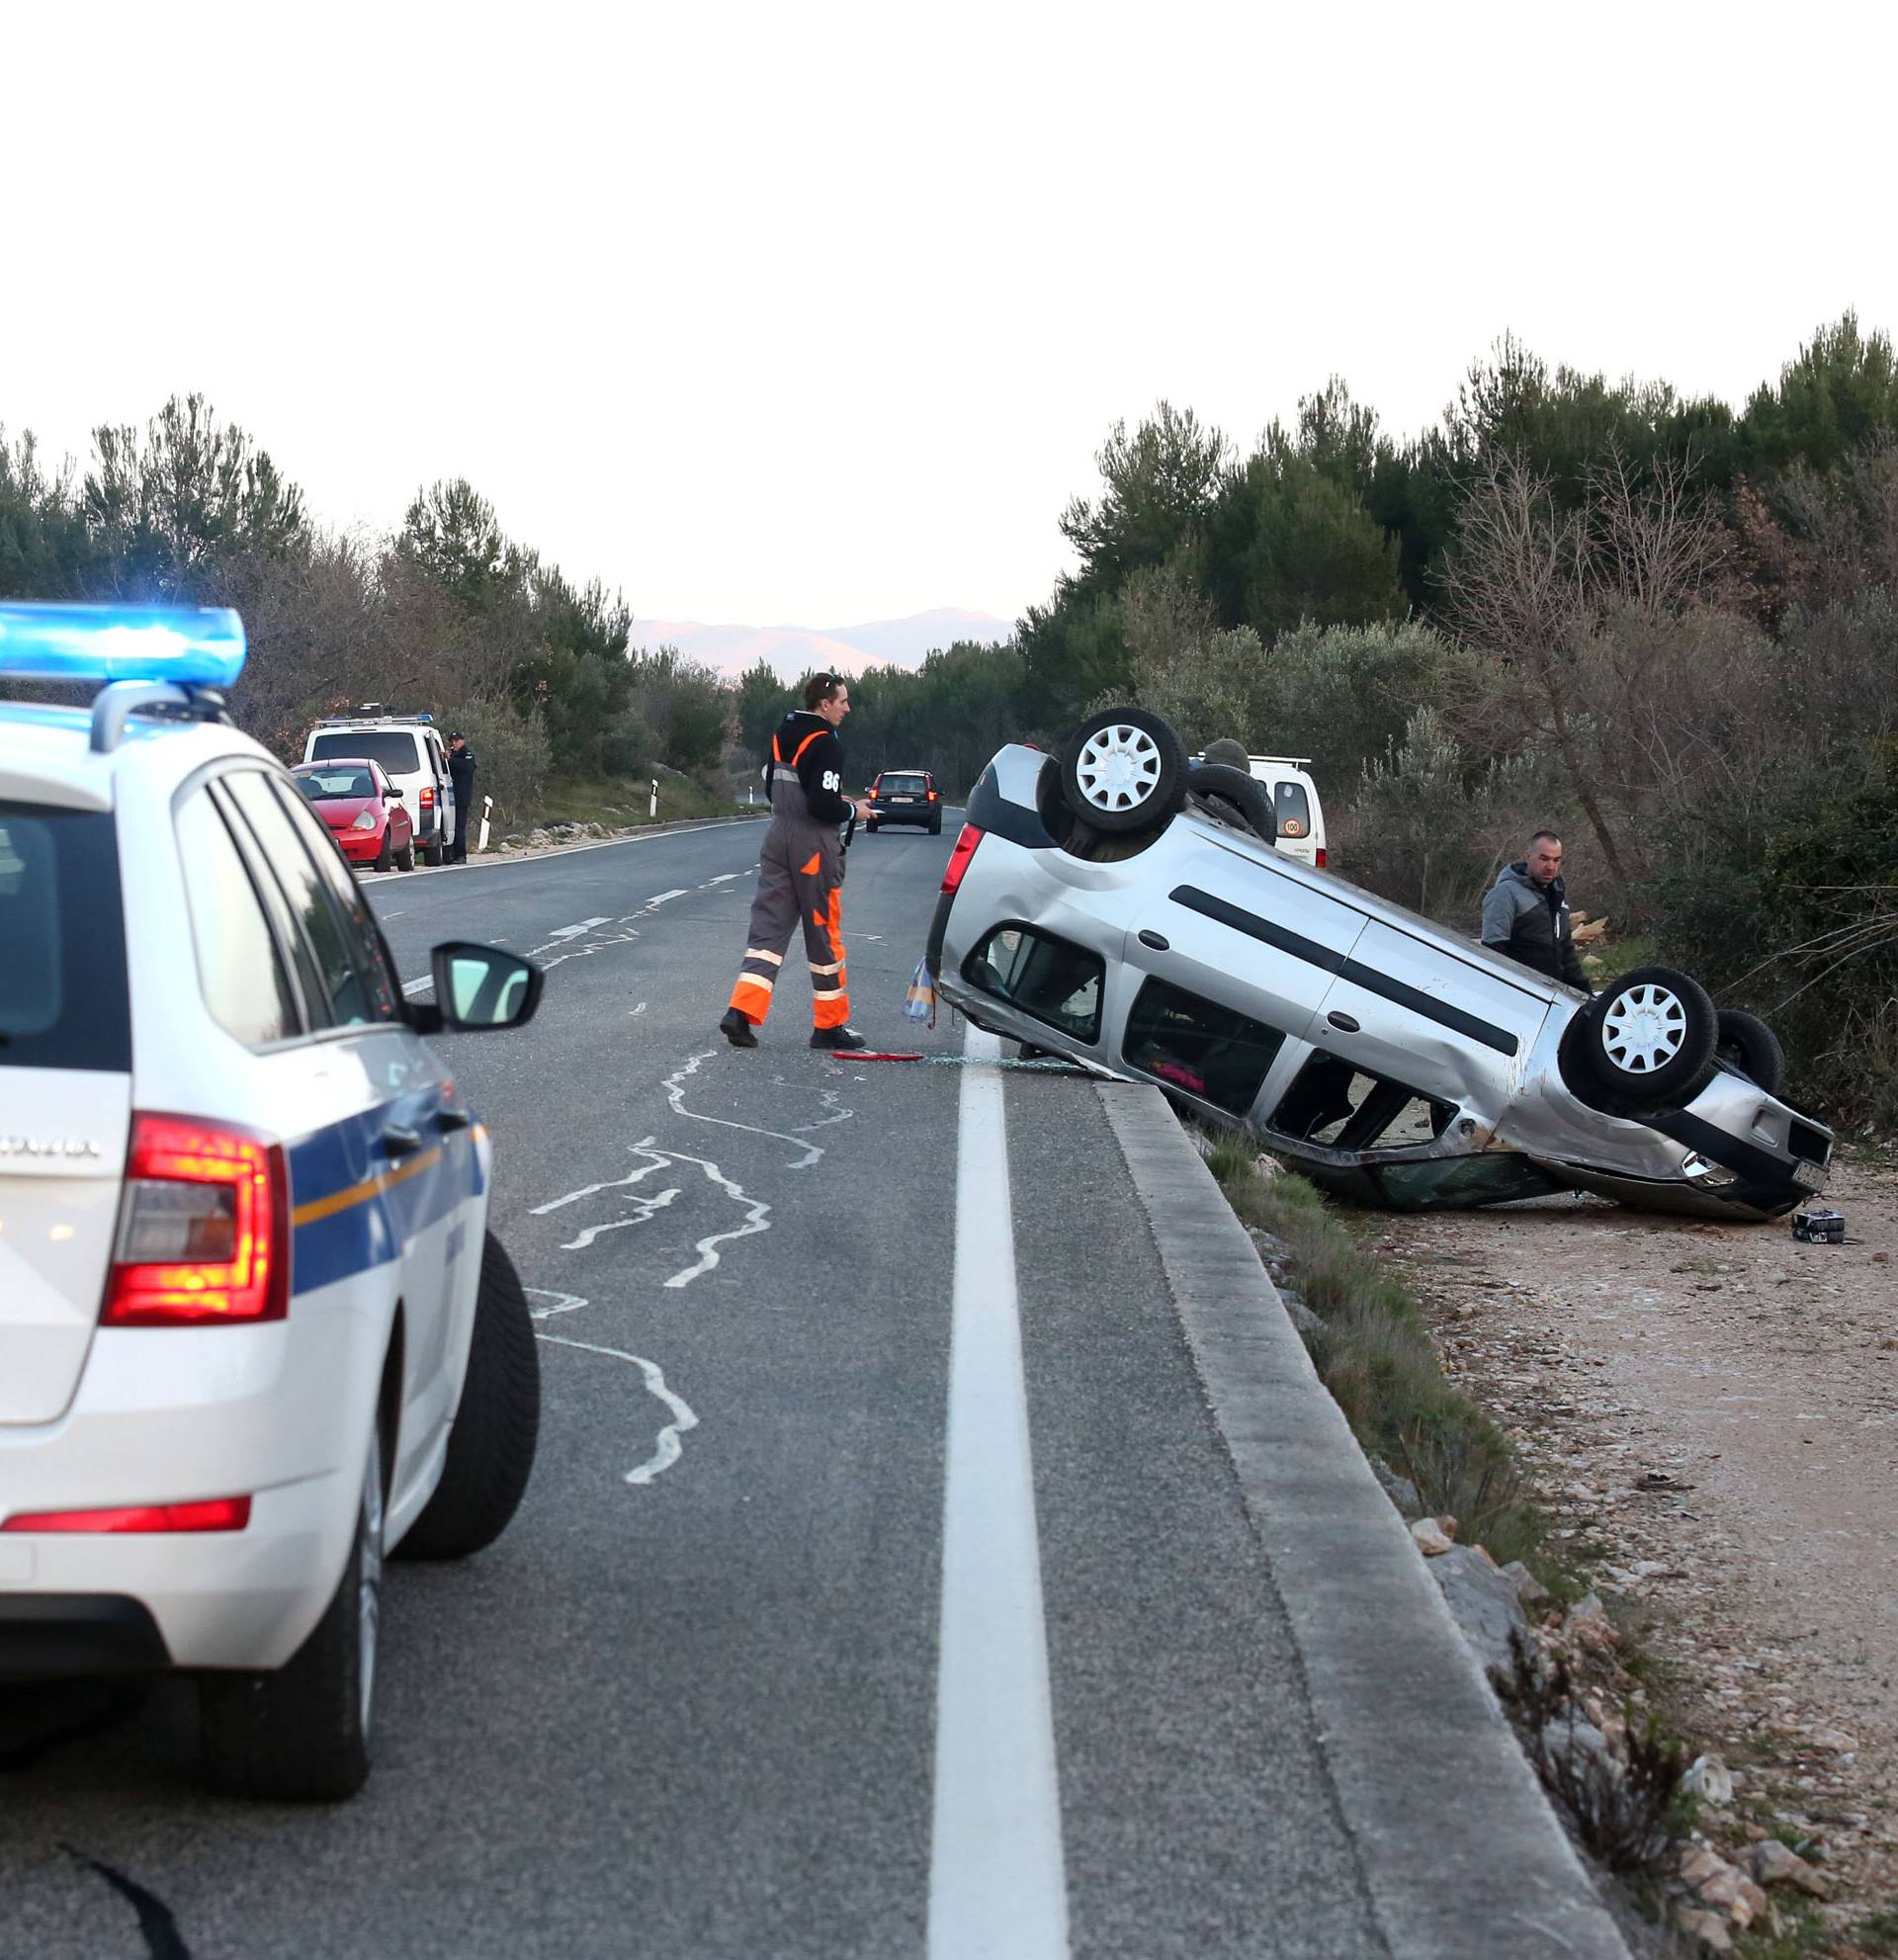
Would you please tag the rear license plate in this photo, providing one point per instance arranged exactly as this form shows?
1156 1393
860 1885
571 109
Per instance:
1811 1176
902 799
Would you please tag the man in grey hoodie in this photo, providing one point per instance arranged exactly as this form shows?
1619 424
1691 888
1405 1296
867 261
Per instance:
1525 913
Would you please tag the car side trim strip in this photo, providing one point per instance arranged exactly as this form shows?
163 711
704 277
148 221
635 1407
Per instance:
1331 961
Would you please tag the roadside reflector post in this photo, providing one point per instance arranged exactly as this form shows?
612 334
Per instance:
652 808
480 842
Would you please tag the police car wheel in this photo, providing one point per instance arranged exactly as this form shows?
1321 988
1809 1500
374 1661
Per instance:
1124 770
431 854
1648 1038
301 1735
490 1446
1748 1045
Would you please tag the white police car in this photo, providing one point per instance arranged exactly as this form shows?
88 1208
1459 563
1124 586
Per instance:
253 1332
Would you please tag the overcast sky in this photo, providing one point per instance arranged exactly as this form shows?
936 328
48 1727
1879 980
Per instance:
817 313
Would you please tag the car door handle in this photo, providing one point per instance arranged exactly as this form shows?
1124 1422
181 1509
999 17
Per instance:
448 1118
399 1141
1344 1023
1157 941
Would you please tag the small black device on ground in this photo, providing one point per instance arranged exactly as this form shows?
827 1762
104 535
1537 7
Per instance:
1819 1228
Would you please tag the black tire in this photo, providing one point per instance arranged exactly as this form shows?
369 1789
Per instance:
406 856
1748 1045
1243 796
383 857
490 1447
431 854
870 826
1648 1040
1124 770
300 1734
936 829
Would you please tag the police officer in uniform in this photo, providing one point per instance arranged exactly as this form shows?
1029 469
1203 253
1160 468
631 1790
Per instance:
801 873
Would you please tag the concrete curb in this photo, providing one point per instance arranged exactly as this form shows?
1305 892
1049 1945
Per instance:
1462 1857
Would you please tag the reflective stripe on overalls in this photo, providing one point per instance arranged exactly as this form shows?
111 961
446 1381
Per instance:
799 881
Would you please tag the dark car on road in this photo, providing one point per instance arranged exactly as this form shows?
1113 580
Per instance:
906 796
1116 906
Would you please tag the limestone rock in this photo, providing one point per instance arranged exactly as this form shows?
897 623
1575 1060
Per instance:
1431 1539
1709 1928
1775 1863
1529 1589
1588 1623
1400 1489
1482 1602
1709 1779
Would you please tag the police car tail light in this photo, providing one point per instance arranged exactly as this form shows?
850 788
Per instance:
960 856
428 795
1318 857
203 1228
209 1514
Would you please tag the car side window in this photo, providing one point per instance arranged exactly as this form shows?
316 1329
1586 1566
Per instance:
291 936
1048 978
240 970
367 952
340 976
1209 1051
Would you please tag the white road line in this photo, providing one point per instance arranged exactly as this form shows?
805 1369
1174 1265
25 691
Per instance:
998 1878
663 898
567 931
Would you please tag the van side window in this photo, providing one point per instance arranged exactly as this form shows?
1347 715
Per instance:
1210 1052
1332 1103
1293 808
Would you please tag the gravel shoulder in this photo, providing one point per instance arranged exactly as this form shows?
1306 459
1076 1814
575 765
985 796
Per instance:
1710 1413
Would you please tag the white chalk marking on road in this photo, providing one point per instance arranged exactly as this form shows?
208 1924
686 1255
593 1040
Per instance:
643 1209
568 931
723 877
640 1009
758 1219
998 1878
674 1087
564 1303
415 987
829 1098
664 899
666 1450
606 1184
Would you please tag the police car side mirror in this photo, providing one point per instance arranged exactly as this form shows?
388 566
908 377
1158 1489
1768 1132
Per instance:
478 986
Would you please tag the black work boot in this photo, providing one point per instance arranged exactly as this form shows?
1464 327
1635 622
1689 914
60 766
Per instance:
736 1029
837 1038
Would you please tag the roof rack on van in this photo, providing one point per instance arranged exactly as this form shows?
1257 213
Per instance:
1289 761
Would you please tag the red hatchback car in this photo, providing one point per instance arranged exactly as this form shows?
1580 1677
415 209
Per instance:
362 809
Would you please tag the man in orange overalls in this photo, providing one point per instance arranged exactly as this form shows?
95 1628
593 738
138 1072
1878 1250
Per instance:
801 873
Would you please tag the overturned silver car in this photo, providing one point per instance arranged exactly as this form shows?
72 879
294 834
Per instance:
1116 906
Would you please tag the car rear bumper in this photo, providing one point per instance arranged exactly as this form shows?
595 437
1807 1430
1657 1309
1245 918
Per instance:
925 813
52 1636
280 1413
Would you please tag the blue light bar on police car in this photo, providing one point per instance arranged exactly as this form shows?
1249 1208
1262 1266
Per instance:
202 647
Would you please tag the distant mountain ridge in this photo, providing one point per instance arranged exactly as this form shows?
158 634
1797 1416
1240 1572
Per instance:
792 651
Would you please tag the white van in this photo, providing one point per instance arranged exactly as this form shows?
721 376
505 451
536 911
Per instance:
1295 803
413 758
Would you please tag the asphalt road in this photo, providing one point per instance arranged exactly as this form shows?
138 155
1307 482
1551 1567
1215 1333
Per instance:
690 1703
